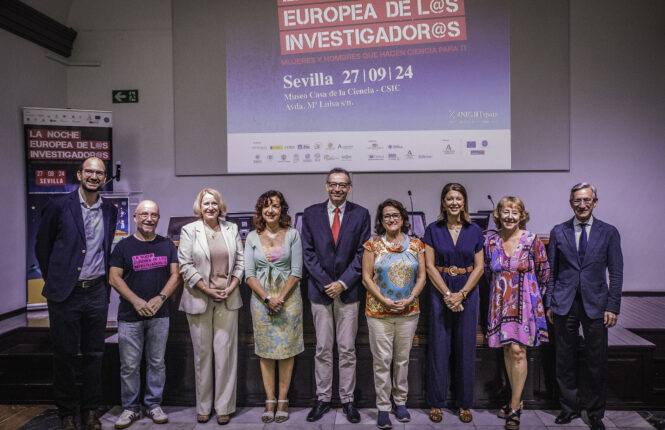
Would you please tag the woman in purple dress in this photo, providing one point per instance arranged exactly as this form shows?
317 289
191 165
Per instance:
518 264
454 260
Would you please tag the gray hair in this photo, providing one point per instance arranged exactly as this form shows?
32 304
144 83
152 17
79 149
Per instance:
581 186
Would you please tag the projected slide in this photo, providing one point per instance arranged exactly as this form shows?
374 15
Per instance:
373 85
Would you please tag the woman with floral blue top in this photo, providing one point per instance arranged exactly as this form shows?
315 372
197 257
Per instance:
394 275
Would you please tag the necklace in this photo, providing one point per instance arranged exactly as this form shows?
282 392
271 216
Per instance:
216 228
455 228
397 241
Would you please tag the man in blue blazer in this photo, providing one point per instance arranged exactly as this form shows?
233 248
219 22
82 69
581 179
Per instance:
581 252
333 235
73 248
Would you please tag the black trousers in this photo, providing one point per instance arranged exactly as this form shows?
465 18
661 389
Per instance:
566 329
78 324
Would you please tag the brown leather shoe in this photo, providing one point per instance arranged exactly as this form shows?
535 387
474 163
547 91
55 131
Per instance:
89 421
67 423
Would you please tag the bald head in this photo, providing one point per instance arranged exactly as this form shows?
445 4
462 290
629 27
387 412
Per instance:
147 205
146 218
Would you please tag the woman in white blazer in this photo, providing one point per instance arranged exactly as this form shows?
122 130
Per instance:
211 264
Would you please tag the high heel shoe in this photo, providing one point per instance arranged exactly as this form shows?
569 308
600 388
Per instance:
513 420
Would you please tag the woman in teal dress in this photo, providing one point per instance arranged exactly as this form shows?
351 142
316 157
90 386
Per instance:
273 268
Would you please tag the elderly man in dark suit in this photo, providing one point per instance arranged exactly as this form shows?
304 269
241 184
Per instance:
581 251
73 248
333 234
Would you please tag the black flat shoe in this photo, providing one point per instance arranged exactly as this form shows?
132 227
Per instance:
318 411
566 417
596 423
352 414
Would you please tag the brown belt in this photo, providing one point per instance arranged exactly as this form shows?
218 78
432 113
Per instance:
454 270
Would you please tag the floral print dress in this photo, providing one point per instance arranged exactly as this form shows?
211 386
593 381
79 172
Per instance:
518 282
276 336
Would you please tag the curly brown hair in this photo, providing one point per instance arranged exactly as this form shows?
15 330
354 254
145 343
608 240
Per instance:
378 224
262 202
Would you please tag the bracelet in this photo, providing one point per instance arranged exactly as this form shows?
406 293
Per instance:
463 293
163 297
447 293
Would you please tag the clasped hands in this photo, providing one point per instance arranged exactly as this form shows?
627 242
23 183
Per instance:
217 295
397 306
275 305
334 289
149 308
454 301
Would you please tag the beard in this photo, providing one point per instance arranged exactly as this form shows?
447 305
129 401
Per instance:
87 188
146 234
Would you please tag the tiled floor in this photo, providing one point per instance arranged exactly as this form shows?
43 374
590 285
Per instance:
183 418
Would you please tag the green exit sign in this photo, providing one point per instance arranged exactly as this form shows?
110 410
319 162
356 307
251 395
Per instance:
125 96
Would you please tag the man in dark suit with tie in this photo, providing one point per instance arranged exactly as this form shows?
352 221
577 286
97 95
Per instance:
581 251
333 234
73 248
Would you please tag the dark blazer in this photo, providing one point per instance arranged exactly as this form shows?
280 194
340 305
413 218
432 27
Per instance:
568 274
326 262
60 246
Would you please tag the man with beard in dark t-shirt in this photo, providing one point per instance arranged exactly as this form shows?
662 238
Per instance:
144 271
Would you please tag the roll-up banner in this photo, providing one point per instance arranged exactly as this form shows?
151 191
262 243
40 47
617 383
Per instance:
56 142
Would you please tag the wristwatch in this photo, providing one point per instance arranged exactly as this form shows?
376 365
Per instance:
163 297
267 299
448 293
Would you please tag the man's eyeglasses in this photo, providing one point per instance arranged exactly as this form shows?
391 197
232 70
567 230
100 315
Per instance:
91 172
340 185
586 201
146 215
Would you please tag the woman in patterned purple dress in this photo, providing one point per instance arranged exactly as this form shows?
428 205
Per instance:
517 261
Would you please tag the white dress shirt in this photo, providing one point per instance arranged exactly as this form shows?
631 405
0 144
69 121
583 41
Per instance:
331 212
331 218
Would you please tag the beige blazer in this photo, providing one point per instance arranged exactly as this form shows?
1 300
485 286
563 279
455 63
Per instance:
194 259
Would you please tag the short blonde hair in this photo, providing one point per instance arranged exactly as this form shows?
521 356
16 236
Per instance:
511 201
218 198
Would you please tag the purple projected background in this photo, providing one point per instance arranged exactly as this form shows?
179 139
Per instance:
454 86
